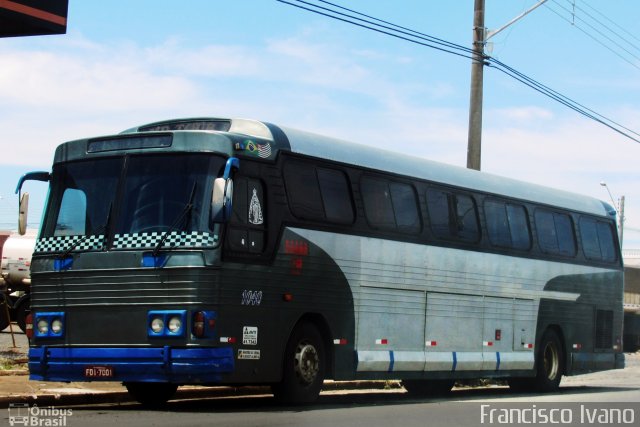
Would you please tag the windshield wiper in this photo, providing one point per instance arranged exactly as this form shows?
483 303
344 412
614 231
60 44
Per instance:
104 228
185 211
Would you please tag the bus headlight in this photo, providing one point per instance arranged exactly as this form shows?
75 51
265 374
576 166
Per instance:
175 324
157 325
166 323
49 325
56 326
43 327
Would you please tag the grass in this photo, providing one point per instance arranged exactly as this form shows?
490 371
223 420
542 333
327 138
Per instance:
12 362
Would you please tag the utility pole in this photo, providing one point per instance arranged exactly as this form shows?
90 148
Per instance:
477 75
480 37
622 218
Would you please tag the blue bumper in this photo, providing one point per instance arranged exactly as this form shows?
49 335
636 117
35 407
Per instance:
156 364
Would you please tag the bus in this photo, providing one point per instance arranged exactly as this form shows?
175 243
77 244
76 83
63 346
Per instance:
231 251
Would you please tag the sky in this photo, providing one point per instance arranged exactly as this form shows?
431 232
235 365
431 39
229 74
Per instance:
126 63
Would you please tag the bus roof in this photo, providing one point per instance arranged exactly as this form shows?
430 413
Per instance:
310 144
402 164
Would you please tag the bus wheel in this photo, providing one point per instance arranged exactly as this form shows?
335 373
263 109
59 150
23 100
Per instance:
304 366
22 311
151 394
4 313
428 387
549 366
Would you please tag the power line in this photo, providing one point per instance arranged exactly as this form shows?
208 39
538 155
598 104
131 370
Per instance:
610 20
393 30
426 41
568 102
601 33
414 32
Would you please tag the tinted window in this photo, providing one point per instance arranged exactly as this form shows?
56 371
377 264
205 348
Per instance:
82 194
519 226
607 241
405 207
438 205
555 233
597 239
497 223
158 189
73 212
466 218
452 215
318 194
390 205
507 224
336 196
377 203
589 235
566 237
305 200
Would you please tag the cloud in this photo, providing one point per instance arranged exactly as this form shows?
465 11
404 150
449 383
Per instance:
81 81
74 88
522 115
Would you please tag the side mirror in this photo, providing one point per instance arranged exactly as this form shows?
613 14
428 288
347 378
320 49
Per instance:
23 211
23 208
221 198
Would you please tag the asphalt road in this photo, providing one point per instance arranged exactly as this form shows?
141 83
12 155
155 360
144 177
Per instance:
462 408
600 393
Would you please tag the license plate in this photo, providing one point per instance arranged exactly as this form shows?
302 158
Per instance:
98 371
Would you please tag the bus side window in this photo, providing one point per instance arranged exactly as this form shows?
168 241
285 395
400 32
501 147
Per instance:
318 194
597 240
377 203
555 233
453 216
246 228
507 225
390 205
303 191
336 196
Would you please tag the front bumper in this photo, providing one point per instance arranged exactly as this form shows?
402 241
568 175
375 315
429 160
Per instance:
177 365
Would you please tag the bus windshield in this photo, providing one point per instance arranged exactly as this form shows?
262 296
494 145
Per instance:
150 197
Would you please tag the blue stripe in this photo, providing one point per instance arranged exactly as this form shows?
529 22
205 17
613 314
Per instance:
455 361
498 361
391 360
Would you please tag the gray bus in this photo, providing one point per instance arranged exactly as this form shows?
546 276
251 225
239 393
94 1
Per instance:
231 251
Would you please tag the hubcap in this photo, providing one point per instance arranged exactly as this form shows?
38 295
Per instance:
551 361
307 362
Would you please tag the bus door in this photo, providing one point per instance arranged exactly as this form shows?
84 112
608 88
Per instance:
247 281
246 233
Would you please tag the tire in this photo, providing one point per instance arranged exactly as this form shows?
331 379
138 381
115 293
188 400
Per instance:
4 316
549 366
152 395
303 367
22 311
428 387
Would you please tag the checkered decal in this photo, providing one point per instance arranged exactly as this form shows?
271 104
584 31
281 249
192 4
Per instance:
175 239
63 243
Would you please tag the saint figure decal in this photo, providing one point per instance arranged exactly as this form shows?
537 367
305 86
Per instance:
255 210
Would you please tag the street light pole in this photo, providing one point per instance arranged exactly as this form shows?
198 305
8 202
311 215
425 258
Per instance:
619 211
621 219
